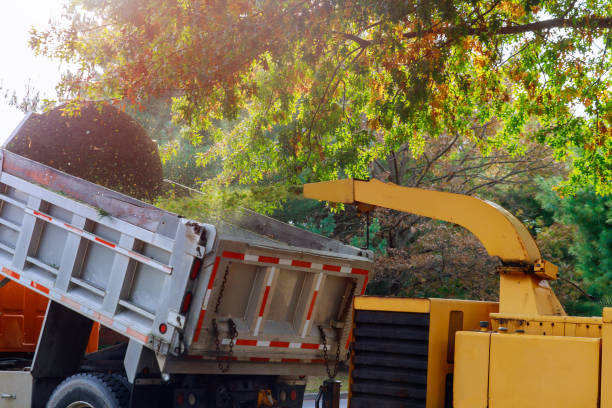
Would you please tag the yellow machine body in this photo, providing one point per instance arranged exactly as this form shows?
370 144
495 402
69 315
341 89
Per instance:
520 370
523 352
446 317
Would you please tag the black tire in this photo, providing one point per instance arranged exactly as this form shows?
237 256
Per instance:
93 390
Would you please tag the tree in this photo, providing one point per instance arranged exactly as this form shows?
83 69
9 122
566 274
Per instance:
30 101
590 216
446 261
323 88
180 156
455 166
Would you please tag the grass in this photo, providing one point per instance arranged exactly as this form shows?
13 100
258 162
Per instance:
314 382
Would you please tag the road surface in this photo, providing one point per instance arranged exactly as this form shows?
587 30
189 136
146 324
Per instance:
311 403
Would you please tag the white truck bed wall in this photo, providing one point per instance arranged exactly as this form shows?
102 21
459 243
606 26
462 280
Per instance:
122 263
159 279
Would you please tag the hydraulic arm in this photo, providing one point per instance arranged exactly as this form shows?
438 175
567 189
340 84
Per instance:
524 275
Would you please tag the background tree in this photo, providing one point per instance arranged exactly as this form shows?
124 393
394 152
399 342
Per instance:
181 157
587 256
323 88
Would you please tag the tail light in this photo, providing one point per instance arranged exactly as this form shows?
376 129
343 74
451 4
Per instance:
195 269
186 302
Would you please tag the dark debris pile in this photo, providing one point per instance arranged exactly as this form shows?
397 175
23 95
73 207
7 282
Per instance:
99 143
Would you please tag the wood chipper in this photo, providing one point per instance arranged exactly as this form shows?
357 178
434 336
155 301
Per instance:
521 352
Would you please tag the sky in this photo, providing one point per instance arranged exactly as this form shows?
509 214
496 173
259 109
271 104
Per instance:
18 64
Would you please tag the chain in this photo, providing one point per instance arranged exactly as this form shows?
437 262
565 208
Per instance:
332 374
325 356
233 333
222 288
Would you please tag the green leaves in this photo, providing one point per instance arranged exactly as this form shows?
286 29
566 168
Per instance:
591 214
319 90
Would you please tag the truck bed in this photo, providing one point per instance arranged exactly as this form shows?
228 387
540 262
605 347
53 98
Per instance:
162 280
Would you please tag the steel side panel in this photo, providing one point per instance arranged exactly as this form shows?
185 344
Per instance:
86 211
121 206
94 251
471 373
530 371
19 384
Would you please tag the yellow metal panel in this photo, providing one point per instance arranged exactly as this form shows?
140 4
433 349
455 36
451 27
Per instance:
606 362
588 330
471 374
543 371
607 314
574 326
555 319
438 364
527 294
545 328
392 304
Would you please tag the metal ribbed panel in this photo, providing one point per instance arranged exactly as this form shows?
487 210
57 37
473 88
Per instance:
390 359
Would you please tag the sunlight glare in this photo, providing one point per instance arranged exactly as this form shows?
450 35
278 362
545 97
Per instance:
19 64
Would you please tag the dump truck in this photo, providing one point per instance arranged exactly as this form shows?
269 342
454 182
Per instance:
226 314
523 351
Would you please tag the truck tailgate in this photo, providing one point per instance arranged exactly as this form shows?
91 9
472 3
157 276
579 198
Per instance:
279 300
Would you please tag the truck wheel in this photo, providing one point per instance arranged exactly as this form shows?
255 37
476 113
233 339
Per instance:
90 390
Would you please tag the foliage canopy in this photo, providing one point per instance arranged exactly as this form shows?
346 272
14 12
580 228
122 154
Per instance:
591 243
319 89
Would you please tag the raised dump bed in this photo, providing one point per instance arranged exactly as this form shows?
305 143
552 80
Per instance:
206 299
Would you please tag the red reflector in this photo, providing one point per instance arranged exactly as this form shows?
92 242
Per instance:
180 399
293 395
186 302
195 269
163 328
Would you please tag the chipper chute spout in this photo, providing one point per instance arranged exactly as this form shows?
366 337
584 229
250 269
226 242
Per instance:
523 275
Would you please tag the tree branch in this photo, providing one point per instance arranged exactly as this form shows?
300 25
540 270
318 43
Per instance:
363 43
435 158
583 22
